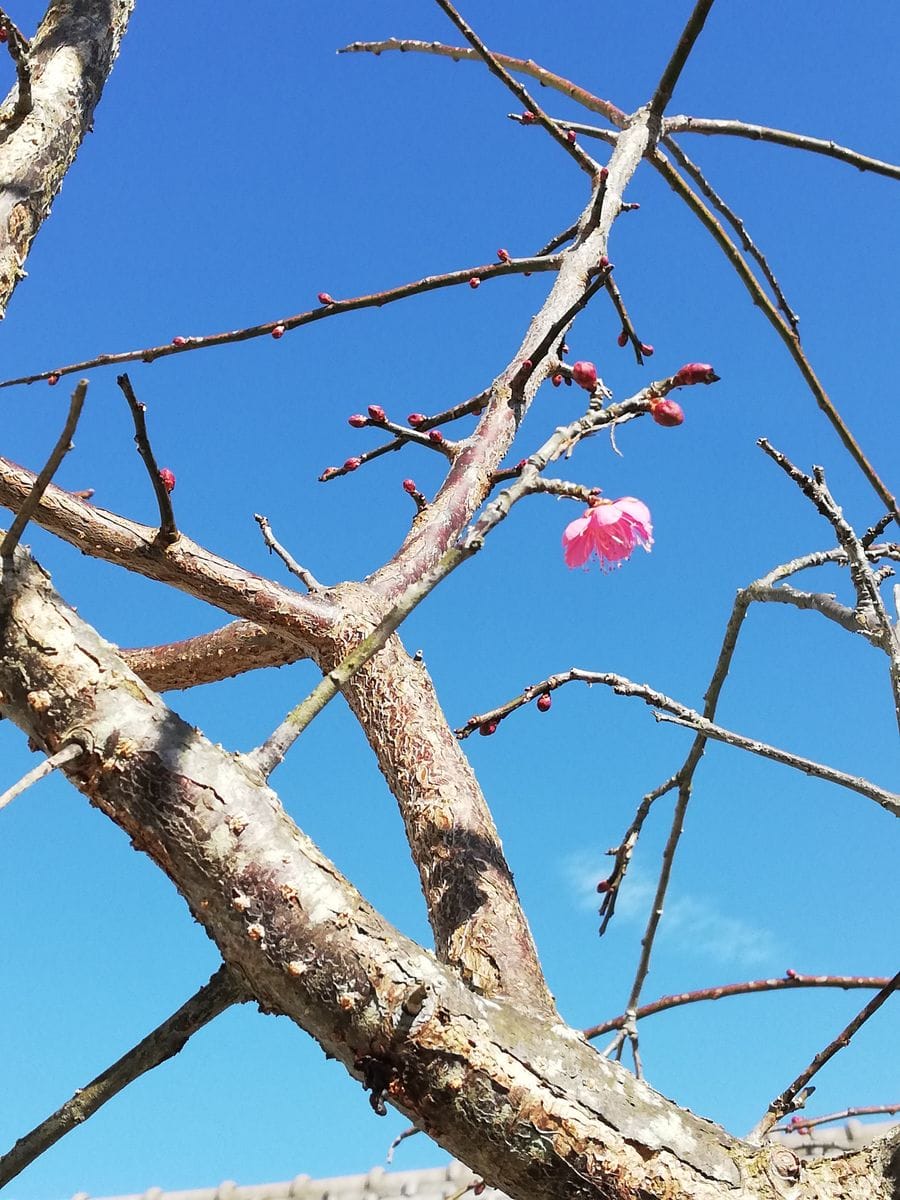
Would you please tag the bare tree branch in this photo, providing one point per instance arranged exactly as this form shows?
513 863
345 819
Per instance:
749 987
31 502
680 55
291 563
781 137
168 531
163 1043
803 1125
66 755
71 56
787 1101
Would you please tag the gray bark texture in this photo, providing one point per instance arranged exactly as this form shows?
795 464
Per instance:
521 1098
70 59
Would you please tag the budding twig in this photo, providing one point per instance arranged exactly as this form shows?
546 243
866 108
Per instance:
168 533
804 1125
788 1100
57 454
184 345
291 563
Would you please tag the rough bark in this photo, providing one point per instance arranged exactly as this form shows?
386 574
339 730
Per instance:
70 59
522 1099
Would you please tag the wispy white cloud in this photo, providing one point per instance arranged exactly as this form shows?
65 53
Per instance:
698 925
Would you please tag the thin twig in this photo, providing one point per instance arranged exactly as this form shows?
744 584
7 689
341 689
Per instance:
60 758
737 224
803 1125
409 1132
184 345
33 499
787 1101
496 67
168 531
782 328
680 714
627 325
163 1043
781 137
291 563
19 49
521 66
680 55
749 987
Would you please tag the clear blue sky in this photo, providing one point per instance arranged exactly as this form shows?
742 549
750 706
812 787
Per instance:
238 167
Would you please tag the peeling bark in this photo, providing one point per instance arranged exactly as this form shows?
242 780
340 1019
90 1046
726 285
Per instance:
71 57
522 1099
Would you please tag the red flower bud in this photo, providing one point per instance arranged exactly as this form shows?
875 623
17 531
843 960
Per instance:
325 298
695 373
327 473
474 283
4 33
604 885
167 479
357 420
604 173
377 413
503 255
790 973
487 728
570 135
278 332
646 350
528 118
544 701
527 364
556 380
409 485
666 412
604 261
585 375
416 419
521 463
352 463
622 339
435 435
53 380
179 341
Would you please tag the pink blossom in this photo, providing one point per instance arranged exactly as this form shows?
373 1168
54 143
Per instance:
610 529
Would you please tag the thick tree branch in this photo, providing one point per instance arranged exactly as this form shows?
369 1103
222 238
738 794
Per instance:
490 1083
163 1043
71 56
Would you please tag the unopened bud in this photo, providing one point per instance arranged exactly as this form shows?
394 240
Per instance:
352 463
622 339
377 413
487 728
666 412
325 298
167 479
695 373
357 420
435 435
474 283
416 419
503 255
544 701
585 375
409 485
278 332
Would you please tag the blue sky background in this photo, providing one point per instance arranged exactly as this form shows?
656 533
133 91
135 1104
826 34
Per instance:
238 167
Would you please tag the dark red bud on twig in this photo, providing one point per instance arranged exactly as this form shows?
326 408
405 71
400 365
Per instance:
325 298
695 373
527 364
622 339
604 261
167 479
416 419
585 375
570 135
278 332
327 473
503 255
435 435
352 463
604 885
646 350
357 420
53 380
487 728
666 412
528 118
409 485
377 413
4 33
544 701
604 174
474 283
790 973
179 341
556 380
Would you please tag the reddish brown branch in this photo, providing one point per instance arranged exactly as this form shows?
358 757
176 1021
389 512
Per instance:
787 1101
184 345
786 983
